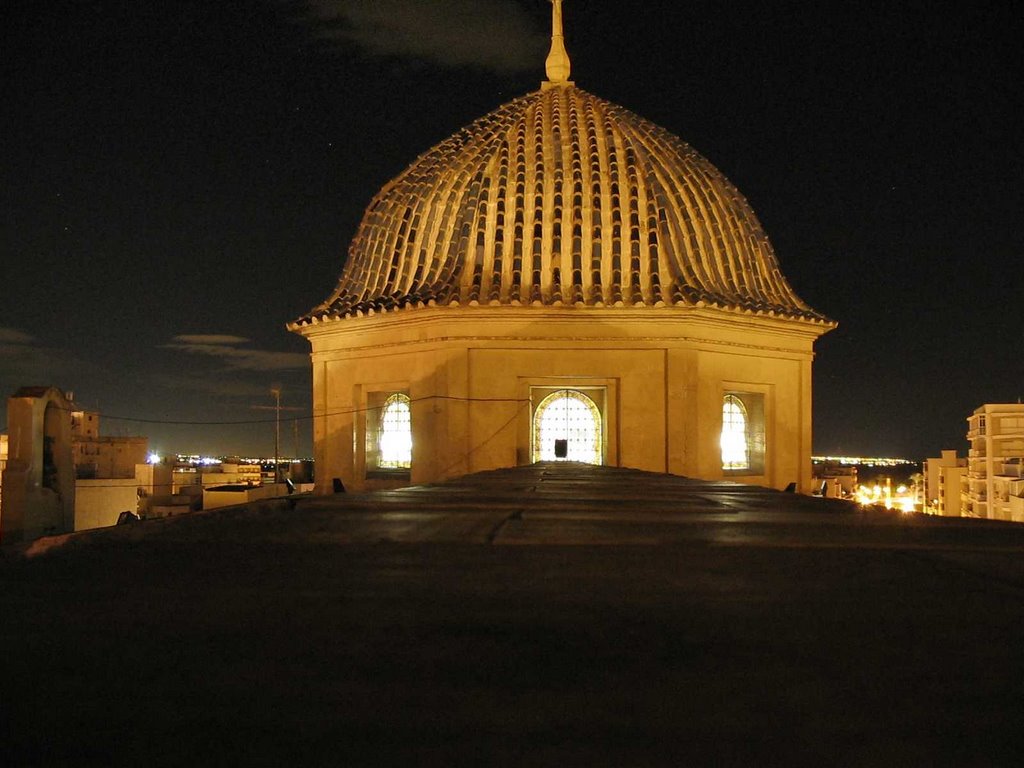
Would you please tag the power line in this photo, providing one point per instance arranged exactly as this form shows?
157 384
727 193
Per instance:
310 417
481 444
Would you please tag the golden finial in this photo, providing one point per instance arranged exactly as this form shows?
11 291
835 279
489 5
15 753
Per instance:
557 64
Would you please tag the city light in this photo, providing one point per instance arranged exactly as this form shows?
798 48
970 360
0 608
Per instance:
901 498
197 460
862 460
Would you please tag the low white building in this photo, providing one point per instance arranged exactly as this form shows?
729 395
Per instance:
99 502
231 495
996 434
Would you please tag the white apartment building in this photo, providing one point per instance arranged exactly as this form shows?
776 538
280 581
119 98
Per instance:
943 478
994 462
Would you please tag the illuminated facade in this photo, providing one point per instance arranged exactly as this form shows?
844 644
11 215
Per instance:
562 279
992 486
943 477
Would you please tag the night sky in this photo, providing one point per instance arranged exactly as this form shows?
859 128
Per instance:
181 179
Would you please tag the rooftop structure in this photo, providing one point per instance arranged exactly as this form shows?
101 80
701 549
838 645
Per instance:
561 279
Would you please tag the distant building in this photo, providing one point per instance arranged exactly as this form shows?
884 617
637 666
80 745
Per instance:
943 477
111 474
190 483
231 473
61 475
993 478
103 456
192 479
835 480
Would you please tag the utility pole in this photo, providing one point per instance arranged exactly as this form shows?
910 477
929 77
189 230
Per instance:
276 392
277 408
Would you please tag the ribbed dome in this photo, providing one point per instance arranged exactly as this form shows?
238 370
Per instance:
562 198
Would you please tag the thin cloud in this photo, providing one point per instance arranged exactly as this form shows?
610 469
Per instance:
210 338
217 386
14 336
25 361
24 358
225 348
498 35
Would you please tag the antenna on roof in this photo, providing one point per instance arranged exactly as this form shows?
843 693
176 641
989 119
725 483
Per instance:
557 66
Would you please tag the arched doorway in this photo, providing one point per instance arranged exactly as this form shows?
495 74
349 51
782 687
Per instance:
567 426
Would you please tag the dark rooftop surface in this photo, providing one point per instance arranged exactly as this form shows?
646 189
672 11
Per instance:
544 615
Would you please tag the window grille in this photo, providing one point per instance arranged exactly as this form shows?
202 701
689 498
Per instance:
735 440
571 416
395 436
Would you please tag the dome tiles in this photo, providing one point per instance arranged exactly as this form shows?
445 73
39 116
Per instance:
560 198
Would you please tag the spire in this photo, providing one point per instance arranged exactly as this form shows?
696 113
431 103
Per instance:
557 64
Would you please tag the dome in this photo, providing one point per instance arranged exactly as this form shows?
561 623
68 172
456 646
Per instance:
560 198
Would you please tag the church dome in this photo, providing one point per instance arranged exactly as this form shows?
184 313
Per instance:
560 198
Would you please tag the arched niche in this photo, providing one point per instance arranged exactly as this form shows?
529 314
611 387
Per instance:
39 480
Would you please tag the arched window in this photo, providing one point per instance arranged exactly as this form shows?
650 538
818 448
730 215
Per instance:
569 420
735 440
394 438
